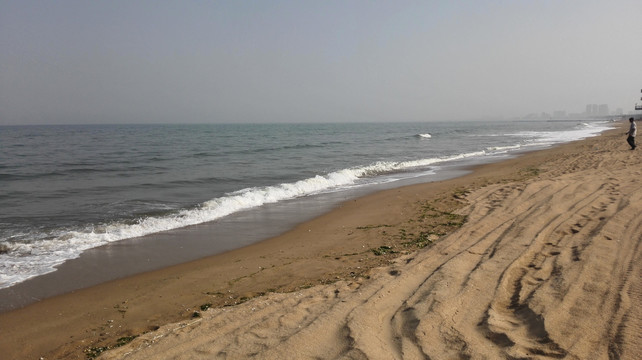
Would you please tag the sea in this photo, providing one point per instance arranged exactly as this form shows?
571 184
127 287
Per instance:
67 189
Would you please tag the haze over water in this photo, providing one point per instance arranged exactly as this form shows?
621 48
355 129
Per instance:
79 62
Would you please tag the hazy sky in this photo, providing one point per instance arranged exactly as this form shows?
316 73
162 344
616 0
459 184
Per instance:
297 61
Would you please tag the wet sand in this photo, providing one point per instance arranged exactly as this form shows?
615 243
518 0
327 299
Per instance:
535 257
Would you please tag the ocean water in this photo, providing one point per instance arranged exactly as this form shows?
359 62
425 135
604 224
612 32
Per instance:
66 189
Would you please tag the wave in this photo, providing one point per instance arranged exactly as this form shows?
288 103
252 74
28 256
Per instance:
25 260
581 131
44 251
503 149
257 150
67 172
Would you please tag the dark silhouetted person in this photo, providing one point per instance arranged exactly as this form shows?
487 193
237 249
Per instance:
633 130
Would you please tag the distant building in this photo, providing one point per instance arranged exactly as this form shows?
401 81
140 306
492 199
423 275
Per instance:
597 110
559 114
592 109
603 110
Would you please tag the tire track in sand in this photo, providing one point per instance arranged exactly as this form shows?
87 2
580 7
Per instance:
548 269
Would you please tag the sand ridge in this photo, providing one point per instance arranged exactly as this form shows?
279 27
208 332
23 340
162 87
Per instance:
546 268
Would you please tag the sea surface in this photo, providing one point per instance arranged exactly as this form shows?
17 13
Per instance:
67 189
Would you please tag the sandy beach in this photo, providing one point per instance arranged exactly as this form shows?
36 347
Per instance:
536 257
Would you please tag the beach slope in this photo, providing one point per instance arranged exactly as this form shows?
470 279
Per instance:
536 257
544 268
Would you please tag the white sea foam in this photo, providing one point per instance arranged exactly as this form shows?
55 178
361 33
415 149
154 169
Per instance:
25 260
581 131
503 149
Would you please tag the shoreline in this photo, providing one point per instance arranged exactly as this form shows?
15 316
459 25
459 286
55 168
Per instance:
116 216
315 252
156 251
159 250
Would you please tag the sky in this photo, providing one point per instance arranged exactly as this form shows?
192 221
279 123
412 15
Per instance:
91 62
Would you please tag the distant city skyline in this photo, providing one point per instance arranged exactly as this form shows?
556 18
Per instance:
591 110
86 62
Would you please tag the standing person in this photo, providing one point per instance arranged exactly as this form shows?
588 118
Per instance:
633 130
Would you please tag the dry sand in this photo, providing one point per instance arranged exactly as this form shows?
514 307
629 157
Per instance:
532 258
